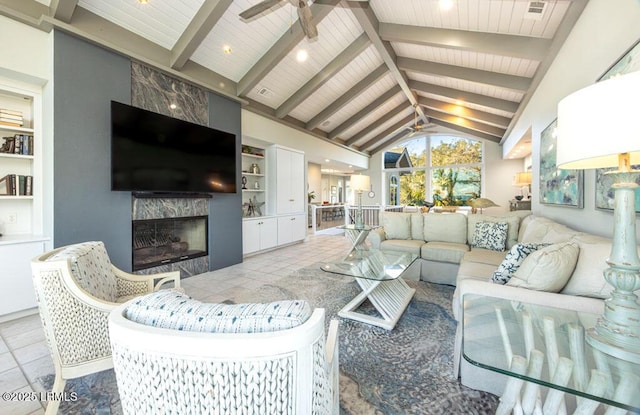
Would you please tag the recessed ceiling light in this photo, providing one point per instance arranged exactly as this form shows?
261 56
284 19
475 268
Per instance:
327 160
143 1
173 106
446 4
302 55
226 49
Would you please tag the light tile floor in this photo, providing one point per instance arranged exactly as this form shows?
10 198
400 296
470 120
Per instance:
24 355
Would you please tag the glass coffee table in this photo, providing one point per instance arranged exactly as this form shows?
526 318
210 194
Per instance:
538 345
379 275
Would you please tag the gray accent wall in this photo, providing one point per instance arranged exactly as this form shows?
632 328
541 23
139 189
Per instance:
86 79
225 209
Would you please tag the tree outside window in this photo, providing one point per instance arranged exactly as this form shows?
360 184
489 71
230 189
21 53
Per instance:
453 166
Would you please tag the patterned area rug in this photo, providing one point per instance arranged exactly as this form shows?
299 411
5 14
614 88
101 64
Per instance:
404 371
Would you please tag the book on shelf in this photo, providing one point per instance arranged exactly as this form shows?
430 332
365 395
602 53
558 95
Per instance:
10 123
16 185
10 112
16 118
18 144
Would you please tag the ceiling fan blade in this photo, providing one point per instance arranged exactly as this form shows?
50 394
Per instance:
258 8
306 20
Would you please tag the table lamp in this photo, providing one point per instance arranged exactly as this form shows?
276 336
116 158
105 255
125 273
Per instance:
523 181
598 127
359 184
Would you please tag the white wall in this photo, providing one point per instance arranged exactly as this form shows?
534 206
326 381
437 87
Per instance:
496 183
25 51
314 178
257 127
600 37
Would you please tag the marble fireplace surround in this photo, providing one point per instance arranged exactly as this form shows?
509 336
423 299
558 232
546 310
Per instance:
154 91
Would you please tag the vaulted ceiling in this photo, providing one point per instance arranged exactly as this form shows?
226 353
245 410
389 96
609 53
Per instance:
375 66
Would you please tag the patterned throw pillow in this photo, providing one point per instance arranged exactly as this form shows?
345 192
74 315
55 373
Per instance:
171 309
513 260
490 235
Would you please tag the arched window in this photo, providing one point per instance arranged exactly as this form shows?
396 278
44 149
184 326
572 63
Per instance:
443 169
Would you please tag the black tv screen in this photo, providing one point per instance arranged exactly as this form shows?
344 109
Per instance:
151 152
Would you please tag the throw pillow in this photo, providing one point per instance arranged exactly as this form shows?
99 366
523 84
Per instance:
512 261
397 225
548 268
490 235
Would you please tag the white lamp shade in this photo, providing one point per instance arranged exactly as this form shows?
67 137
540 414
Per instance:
522 179
360 182
598 122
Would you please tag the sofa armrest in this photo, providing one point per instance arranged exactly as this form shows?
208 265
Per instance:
376 237
543 298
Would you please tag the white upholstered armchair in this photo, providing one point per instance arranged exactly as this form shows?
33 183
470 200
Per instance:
173 354
76 289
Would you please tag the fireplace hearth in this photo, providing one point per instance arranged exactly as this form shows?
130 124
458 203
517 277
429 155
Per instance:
168 240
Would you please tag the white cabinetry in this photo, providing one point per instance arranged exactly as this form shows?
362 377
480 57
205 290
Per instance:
291 229
21 206
281 180
18 293
288 184
259 234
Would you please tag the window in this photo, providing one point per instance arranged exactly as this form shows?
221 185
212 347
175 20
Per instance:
445 170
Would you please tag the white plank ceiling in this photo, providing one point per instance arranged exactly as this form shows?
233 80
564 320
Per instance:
374 65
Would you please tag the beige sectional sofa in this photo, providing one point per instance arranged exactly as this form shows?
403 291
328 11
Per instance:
445 243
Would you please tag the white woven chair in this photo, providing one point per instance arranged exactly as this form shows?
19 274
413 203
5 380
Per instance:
221 359
76 288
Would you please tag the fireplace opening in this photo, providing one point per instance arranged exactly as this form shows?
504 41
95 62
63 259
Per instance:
167 240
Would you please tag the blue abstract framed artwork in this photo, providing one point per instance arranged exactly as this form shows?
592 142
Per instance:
558 187
629 62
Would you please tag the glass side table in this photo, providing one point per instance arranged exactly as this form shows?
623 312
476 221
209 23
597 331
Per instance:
545 346
379 275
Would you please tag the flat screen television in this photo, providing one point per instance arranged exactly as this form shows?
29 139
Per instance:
151 152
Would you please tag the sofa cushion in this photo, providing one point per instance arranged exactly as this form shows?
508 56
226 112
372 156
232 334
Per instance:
587 279
445 228
91 269
171 309
444 251
485 256
402 245
513 225
547 269
541 229
474 270
417 221
513 260
397 225
490 235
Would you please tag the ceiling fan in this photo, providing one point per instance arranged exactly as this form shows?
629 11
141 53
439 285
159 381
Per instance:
417 129
304 14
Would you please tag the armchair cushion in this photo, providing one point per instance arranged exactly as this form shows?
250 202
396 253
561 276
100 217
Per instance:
91 268
175 310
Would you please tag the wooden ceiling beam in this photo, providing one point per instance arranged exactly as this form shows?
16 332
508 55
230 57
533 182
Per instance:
281 48
325 74
348 96
464 112
518 83
357 117
463 122
387 133
378 123
466 130
392 139
478 99
524 47
202 23
369 23
63 9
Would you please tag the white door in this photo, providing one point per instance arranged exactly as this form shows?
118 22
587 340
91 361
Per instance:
268 233
297 183
250 236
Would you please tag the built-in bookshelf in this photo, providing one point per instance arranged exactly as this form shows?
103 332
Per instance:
253 182
20 161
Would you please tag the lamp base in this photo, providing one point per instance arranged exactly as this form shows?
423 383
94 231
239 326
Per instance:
617 332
